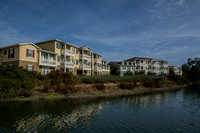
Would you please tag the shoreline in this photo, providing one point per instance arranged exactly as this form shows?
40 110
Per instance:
90 92
136 91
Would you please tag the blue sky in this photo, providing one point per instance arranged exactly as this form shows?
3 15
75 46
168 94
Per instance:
117 29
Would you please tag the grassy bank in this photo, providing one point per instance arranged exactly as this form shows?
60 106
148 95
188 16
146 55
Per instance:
20 84
109 91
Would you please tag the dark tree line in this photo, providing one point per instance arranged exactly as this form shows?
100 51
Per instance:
191 69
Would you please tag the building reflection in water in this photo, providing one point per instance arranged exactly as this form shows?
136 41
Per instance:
145 101
60 122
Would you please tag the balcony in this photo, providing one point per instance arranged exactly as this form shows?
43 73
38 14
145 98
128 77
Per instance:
85 67
155 65
85 57
68 64
97 68
99 60
68 52
47 62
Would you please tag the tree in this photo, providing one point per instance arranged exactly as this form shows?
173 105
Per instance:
191 70
129 73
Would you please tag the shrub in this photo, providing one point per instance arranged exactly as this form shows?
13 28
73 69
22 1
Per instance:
152 83
99 86
17 78
112 78
142 72
128 85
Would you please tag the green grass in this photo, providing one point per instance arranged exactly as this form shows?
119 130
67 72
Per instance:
113 78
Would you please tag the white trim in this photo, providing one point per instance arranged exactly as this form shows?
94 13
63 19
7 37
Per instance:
20 60
30 43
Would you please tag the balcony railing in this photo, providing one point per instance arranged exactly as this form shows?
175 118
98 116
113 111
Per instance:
47 62
68 64
85 67
99 60
68 52
85 57
97 68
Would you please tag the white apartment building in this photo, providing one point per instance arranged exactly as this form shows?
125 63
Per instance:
177 70
138 64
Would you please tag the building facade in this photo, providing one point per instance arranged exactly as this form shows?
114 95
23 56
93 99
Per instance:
139 64
52 55
105 68
177 70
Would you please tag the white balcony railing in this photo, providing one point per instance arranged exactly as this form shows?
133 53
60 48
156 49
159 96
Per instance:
99 60
86 57
47 62
68 52
97 68
86 67
68 64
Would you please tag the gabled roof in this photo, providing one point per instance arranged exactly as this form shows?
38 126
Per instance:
86 47
19 44
29 43
143 58
57 41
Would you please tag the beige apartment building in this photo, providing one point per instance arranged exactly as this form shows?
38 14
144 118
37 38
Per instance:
53 55
138 64
177 70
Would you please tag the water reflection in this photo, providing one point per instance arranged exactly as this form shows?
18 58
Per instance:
176 111
145 101
37 120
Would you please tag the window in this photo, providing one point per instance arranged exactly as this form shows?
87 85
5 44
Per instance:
67 47
73 49
62 58
30 67
76 62
50 57
45 70
123 67
5 52
11 53
44 56
30 53
58 58
58 45
77 51
67 58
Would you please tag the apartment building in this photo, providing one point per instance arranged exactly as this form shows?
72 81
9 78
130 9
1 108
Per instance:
52 55
105 68
177 70
29 56
138 64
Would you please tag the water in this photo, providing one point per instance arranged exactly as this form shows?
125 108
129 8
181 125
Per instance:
177 111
